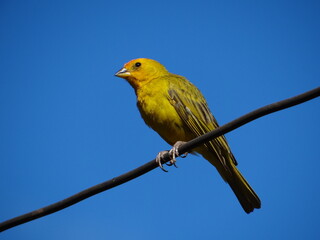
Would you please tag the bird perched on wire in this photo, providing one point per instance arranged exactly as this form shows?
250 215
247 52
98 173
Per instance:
177 111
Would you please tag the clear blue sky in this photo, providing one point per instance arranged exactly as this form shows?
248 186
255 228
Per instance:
66 123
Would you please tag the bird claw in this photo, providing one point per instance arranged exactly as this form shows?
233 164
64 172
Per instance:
159 158
173 153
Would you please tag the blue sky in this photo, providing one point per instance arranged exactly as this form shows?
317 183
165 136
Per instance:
67 123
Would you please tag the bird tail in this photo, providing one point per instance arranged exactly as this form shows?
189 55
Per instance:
248 199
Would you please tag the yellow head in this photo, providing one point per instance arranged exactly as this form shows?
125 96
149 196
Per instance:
140 71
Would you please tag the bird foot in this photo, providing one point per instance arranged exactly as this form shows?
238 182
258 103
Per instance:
173 153
159 158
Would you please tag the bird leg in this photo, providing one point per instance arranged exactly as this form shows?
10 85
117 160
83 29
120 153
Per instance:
159 158
173 153
176 146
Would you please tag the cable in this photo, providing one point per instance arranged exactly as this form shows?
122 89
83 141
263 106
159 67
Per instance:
187 147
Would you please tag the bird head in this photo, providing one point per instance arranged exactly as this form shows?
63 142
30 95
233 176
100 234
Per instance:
140 71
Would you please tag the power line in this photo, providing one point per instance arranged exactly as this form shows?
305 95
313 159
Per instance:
187 147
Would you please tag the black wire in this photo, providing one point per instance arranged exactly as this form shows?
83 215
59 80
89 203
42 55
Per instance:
187 147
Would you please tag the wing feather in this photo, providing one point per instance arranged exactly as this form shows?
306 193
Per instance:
193 110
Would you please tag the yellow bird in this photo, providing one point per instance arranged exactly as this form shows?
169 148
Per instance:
175 108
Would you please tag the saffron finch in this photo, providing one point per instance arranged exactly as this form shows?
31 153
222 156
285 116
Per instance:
174 108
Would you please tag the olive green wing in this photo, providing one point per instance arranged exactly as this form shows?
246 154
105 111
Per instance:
193 110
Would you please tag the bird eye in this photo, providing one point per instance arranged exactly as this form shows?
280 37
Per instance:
138 64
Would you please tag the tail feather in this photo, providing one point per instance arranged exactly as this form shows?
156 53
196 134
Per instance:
248 199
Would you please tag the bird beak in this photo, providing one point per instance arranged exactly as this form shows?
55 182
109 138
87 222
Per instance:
123 72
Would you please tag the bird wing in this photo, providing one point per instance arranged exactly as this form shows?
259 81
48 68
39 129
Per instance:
193 110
